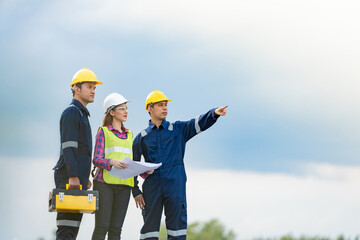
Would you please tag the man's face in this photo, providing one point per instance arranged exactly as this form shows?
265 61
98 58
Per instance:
159 110
87 92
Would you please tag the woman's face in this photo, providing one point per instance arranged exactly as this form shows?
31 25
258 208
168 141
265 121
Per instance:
120 112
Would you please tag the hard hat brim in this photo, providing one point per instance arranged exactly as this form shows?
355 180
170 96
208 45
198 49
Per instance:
96 82
167 100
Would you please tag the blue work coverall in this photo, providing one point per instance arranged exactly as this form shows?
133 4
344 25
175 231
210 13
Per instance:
166 187
74 161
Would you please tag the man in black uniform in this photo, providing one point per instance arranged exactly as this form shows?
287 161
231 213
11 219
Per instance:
74 164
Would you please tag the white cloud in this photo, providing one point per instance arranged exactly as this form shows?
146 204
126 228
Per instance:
322 201
292 64
300 56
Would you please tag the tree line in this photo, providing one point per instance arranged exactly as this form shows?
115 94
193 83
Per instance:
215 230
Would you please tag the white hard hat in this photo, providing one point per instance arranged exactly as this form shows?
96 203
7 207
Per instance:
112 100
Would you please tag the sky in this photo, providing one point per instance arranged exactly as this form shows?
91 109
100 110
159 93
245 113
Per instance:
287 69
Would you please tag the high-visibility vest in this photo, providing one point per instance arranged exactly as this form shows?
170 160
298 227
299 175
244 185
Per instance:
117 148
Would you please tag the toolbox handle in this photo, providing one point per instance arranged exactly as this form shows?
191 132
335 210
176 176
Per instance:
67 186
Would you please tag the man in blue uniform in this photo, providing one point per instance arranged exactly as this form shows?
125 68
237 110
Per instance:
73 166
164 142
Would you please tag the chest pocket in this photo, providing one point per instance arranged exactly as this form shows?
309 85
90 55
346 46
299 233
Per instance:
171 150
169 141
151 152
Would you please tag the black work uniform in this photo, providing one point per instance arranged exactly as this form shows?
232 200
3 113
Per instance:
74 161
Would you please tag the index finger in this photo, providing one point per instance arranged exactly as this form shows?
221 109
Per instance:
142 204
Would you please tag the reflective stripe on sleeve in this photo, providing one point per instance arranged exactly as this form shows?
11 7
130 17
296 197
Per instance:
149 235
69 144
143 133
176 233
171 127
197 126
69 223
118 149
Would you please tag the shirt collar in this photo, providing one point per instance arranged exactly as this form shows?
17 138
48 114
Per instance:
111 128
164 124
79 105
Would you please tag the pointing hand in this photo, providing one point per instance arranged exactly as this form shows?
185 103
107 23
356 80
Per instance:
221 111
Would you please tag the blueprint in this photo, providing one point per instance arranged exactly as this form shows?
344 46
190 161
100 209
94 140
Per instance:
134 168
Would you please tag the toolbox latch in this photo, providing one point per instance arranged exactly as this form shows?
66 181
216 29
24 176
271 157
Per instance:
90 197
61 196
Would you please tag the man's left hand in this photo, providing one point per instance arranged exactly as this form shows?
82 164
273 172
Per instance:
140 202
221 111
89 184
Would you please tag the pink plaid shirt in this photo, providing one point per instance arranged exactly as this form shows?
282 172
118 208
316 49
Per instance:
99 153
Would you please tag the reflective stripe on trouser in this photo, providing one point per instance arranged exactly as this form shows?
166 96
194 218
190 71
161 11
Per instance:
170 233
67 225
152 215
175 212
176 218
149 235
176 233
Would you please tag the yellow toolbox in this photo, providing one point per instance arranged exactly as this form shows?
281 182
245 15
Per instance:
73 201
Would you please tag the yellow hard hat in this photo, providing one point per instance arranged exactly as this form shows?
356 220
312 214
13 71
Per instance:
154 97
84 75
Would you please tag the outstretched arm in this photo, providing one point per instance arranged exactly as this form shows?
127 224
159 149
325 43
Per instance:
202 122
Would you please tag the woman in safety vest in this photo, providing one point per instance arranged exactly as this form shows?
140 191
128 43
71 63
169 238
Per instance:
113 144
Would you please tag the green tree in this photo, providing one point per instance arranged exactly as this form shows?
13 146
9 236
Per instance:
303 237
